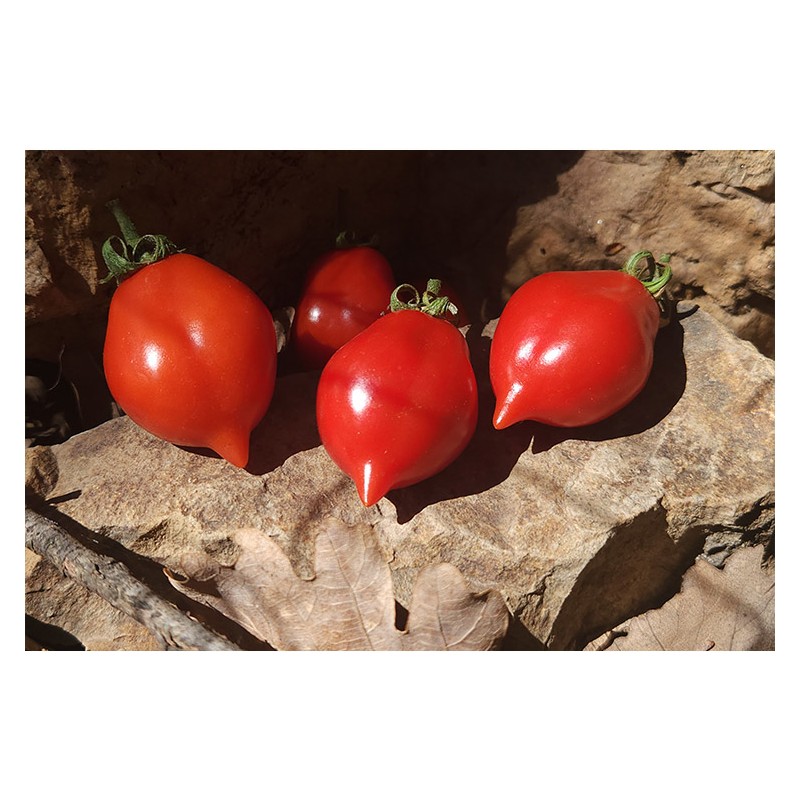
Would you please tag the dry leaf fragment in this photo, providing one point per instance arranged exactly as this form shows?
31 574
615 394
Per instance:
717 609
444 614
283 319
349 604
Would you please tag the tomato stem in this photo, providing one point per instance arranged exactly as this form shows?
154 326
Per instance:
654 276
126 254
126 226
429 302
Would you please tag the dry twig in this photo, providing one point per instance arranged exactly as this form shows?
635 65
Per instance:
113 582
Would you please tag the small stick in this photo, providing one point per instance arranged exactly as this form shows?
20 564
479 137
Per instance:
113 582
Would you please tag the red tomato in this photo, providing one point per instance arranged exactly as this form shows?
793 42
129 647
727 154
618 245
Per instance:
397 403
345 291
572 348
190 355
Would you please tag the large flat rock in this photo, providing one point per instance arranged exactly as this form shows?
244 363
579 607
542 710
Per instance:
578 530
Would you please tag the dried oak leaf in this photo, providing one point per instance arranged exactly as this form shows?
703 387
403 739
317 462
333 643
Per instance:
717 609
348 604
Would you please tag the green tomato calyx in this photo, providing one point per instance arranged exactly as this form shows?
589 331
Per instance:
131 251
429 302
655 275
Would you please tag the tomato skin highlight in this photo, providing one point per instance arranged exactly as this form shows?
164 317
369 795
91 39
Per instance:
398 403
345 291
190 355
572 348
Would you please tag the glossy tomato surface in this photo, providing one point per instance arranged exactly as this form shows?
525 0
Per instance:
397 403
572 348
345 291
190 355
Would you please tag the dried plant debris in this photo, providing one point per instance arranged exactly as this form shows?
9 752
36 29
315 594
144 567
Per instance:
717 609
283 320
65 397
349 604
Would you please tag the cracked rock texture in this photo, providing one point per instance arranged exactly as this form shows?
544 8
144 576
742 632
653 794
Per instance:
713 210
578 529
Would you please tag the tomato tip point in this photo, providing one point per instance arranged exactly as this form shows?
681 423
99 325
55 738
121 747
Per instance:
234 448
500 419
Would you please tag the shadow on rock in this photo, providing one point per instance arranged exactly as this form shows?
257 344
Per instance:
662 391
492 454
639 568
488 459
520 638
50 637
289 426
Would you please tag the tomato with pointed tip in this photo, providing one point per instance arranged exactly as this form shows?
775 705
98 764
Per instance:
346 290
573 348
398 403
190 355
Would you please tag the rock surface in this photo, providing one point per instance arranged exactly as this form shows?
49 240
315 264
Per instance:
485 220
713 210
578 530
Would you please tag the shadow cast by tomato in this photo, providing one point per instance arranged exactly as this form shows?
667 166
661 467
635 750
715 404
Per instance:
488 458
663 389
289 426
492 454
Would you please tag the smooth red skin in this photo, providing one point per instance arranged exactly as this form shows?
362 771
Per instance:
397 403
190 354
572 348
345 291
